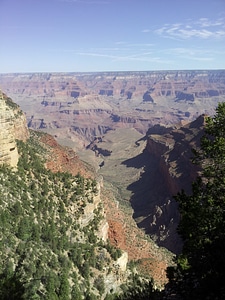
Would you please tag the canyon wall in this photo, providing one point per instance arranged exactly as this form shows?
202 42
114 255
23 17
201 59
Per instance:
13 126
78 107
170 170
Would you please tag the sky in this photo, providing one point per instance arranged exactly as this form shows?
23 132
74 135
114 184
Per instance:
111 35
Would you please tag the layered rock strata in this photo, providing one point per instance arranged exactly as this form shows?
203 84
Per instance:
12 126
78 107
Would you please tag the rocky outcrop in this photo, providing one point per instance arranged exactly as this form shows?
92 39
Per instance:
170 171
12 126
63 159
122 262
174 151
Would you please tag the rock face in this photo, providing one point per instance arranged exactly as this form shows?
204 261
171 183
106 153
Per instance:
13 126
63 159
80 107
169 170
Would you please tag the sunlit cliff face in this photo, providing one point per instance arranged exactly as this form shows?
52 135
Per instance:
12 126
8 149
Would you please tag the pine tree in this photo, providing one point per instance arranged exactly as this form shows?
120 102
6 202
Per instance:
200 272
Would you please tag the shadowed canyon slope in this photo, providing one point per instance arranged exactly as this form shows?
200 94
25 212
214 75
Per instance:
167 170
148 171
134 128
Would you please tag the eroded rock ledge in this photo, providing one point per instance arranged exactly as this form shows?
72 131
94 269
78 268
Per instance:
13 126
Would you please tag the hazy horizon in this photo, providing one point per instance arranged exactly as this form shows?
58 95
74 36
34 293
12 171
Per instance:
121 71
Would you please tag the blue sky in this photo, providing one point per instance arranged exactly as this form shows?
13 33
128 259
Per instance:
111 35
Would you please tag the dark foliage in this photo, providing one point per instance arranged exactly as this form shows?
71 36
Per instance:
200 271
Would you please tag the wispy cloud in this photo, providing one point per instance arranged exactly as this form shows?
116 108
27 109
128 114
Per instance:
202 29
197 54
119 49
146 30
124 51
139 57
132 44
205 22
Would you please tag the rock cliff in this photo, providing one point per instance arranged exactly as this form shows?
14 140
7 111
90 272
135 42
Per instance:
13 126
170 169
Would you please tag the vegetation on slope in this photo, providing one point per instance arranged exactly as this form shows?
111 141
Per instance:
46 250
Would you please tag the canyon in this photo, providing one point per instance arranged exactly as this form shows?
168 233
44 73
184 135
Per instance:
76 107
115 225
135 129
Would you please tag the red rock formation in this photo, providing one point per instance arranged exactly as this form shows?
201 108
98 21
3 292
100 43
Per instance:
124 234
64 159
